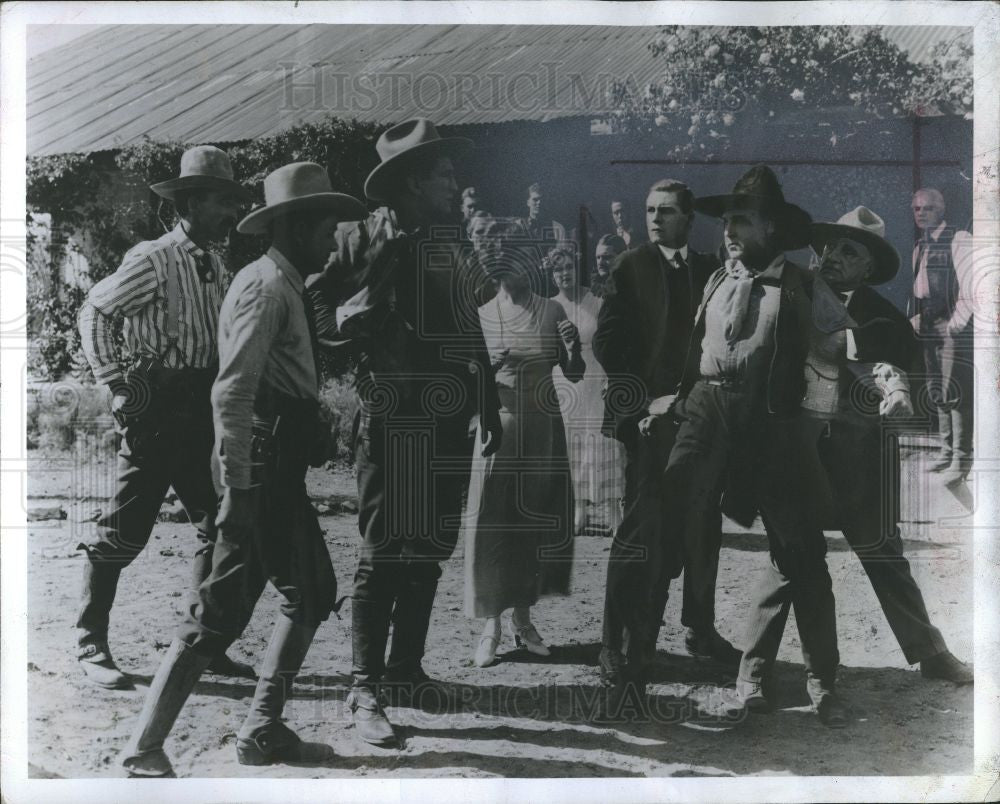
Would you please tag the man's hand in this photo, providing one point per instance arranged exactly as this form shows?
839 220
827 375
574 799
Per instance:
492 435
236 514
646 426
896 403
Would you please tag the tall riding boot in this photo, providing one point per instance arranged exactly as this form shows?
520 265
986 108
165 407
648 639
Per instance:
263 738
100 583
370 632
945 454
961 453
221 664
411 620
174 680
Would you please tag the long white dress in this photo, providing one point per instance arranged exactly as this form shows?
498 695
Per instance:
596 461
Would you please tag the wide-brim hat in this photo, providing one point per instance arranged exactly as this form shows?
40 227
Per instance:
203 167
865 227
760 189
399 145
298 187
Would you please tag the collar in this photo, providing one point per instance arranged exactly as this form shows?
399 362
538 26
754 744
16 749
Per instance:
773 271
937 232
287 269
179 236
669 253
850 295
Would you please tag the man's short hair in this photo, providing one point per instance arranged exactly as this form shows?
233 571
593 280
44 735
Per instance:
683 192
614 241
535 188
469 192
933 193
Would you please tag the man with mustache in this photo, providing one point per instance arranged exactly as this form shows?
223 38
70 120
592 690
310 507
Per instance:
736 426
169 292
860 351
395 295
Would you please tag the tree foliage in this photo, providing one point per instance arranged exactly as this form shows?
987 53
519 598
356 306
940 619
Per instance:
100 205
716 78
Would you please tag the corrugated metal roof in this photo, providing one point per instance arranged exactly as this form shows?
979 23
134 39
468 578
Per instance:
200 83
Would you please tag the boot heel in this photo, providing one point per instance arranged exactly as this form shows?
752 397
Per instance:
247 753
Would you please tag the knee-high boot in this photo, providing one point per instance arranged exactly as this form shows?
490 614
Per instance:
370 632
100 584
174 680
411 621
263 738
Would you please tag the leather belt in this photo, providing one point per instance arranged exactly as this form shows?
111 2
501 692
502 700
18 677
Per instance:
728 383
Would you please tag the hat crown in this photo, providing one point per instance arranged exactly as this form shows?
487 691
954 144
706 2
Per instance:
760 181
297 180
863 218
405 136
206 160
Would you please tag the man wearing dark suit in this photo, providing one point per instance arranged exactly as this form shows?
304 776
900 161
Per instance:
642 341
861 349
395 297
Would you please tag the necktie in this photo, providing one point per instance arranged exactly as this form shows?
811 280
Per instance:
679 261
313 339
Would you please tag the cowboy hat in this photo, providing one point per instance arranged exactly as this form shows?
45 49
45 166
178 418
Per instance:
400 144
865 227
297 187
759 189
202 167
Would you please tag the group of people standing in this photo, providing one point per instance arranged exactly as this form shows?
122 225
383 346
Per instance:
728 387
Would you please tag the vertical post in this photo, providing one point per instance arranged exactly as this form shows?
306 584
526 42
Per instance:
583 276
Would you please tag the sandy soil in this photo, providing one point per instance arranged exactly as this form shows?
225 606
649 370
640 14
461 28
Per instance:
524 717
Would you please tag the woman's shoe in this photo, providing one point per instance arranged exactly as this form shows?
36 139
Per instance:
527 637
486 653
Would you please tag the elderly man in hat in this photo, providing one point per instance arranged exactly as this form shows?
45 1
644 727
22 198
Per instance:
860 351
168 291
736 420
266 416
395 295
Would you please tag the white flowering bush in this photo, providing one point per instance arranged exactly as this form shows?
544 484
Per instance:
715 76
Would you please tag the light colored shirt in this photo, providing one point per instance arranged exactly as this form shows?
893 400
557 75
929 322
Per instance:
962 254
745 357
138 291
263 339
669 253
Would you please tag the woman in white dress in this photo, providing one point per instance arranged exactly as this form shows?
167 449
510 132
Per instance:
597 462
519 526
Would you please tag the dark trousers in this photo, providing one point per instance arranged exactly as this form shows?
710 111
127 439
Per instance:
948 361
645 553
854 464
412 475
723 432
179 455
285 546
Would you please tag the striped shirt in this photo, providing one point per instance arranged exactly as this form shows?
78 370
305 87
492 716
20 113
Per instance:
138 291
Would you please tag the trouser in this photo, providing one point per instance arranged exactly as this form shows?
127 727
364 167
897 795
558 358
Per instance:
645 554
722 431
178 456
411 478
857 464
948 360
285 545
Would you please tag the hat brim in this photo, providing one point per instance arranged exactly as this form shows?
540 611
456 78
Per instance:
343 207
170 188
886 257
793 221
378 182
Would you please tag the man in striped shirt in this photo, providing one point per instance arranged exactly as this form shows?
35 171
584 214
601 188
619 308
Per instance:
168 291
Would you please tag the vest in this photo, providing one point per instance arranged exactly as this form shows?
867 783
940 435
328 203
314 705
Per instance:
942 279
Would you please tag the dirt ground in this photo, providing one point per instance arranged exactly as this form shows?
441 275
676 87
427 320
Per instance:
524 717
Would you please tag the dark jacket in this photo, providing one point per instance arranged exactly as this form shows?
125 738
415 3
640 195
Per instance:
883 334
416 339
786 382
644 332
